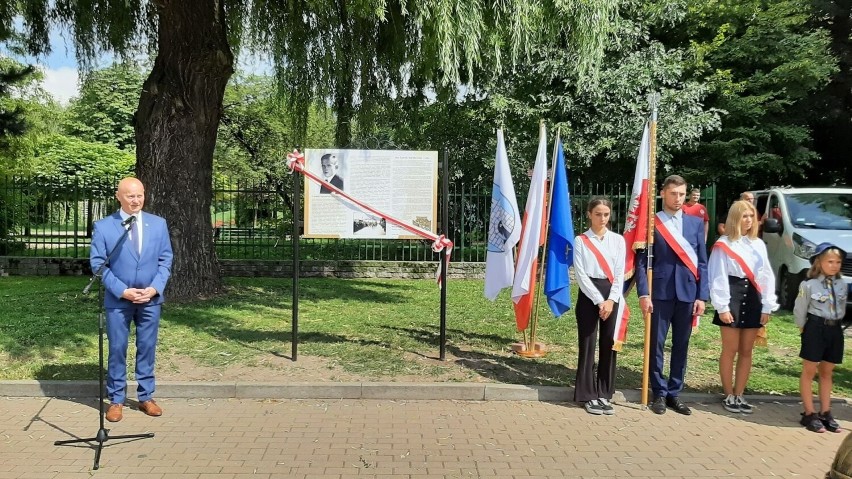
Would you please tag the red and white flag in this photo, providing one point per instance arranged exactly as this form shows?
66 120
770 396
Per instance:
636 226
532 237
635 231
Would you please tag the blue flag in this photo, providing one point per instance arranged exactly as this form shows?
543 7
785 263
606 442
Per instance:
560 246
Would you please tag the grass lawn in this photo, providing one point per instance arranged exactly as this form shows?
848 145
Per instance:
370 329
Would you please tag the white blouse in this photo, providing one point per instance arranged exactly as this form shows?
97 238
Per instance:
586 266
720 266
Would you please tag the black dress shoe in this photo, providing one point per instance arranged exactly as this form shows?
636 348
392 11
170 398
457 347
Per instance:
679 407
659 405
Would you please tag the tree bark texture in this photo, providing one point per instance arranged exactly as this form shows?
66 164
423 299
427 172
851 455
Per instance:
345 88
176 125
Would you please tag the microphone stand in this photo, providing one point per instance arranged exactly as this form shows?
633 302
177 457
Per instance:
103 434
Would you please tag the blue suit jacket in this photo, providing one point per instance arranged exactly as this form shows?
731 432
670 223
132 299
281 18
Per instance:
672 279
127 269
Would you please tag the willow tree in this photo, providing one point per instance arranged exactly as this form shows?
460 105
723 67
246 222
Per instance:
346 53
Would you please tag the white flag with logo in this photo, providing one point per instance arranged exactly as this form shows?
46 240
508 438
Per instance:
504 226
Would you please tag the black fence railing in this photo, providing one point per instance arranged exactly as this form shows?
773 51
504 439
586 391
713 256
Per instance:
254 221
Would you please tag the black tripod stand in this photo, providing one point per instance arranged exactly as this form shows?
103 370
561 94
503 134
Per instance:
103 433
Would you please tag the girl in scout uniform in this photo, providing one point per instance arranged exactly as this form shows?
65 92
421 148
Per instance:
599 256
819 308
742 291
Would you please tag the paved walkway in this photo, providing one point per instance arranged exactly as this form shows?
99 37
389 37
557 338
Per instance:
383 438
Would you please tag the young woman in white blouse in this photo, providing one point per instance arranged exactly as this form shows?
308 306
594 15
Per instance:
742 291
599 256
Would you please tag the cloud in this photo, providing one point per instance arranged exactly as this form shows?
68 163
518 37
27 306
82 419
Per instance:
62 83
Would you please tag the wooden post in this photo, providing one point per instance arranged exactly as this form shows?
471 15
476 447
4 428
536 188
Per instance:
654 99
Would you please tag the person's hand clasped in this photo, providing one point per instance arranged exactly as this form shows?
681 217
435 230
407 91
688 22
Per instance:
726 317
139 296
606 309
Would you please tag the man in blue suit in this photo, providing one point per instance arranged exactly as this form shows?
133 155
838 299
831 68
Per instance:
134 281
680 289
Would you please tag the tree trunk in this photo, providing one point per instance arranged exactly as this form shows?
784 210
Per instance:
345 89
176 125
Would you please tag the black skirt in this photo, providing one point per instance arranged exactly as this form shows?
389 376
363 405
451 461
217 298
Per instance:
745 304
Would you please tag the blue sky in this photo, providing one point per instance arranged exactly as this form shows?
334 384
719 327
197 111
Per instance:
61 79
61 76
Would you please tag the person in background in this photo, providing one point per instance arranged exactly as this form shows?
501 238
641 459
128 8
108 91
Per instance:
744 196
599 256
818 311
742 291
693 208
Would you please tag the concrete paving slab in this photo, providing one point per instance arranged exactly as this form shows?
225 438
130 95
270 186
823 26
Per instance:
343 438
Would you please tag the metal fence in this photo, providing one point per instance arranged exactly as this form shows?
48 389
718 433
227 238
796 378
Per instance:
254 221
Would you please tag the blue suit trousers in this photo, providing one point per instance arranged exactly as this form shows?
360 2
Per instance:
677 316
147 320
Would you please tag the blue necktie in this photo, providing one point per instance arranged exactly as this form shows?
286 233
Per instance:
832 299
134 237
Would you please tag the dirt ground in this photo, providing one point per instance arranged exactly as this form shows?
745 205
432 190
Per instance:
272 368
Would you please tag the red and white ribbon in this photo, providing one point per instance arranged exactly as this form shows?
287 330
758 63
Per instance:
296 162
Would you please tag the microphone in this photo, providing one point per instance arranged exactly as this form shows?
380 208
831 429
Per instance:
130 219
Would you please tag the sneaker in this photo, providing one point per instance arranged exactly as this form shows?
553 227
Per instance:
594 407
730 404
812 423
828 421
607 406
745 407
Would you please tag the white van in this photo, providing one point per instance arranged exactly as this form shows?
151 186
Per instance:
795 220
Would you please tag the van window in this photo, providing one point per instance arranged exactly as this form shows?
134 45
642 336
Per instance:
774 210
830 211
761 204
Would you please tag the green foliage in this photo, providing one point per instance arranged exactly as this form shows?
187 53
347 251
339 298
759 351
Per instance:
67 163
26 111
256 132
600 121
103 112
763 60
374 50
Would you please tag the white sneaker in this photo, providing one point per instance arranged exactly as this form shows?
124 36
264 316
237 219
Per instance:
745 407
594 407
730 403
606 405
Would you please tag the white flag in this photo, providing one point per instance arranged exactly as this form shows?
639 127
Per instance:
504 227
532 237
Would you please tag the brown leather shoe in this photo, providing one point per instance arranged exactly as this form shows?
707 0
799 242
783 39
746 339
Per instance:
114 414
150 408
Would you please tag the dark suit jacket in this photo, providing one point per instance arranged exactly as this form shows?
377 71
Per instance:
672 279
336 181
127 269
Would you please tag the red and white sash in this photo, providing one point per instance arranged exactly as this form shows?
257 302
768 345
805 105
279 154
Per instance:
740 261
623 315
681 247
677 243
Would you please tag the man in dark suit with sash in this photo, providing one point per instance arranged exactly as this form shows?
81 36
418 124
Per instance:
680 289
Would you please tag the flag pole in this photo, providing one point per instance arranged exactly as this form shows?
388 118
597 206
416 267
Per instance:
654 100
531 350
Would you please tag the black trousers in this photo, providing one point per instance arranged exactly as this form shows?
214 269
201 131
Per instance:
591 384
